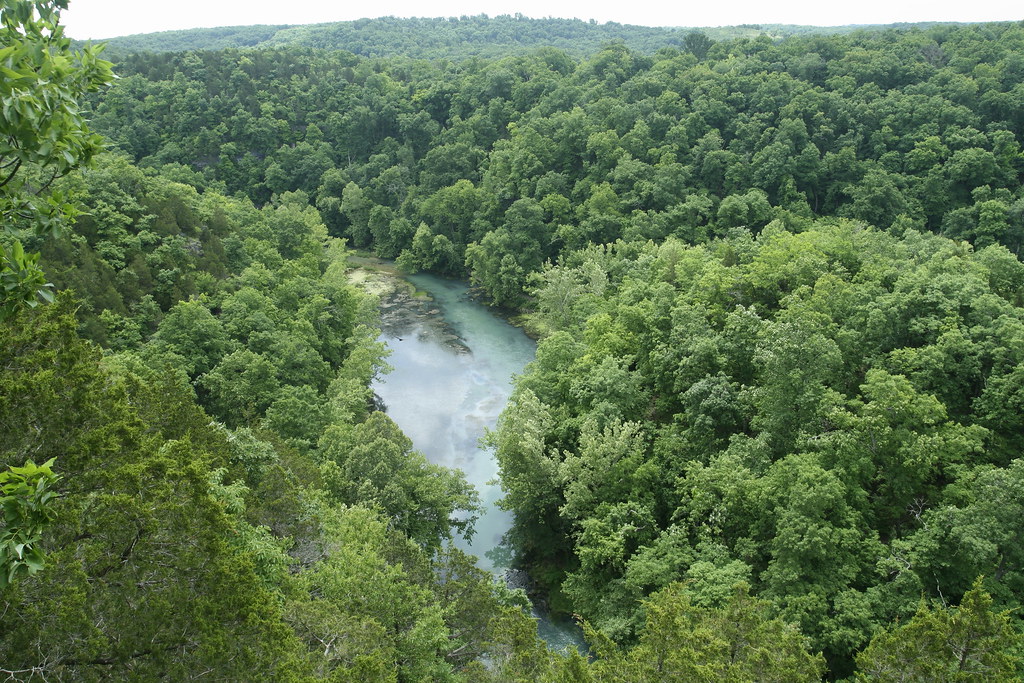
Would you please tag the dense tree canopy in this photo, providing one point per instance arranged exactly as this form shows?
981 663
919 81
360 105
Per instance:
179 544
772 431
813 413
488 168
452 38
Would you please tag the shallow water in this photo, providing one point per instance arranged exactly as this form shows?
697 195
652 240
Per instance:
444 397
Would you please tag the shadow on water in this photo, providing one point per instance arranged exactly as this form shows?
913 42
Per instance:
454 361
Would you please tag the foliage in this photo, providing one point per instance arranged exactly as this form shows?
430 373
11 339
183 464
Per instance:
373 464
488 168
783 345
459 38
683 642
27 502
964 643
22 282
43 134
782 409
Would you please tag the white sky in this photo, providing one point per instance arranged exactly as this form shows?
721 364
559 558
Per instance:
108 18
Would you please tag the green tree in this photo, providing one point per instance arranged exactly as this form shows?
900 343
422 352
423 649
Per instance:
43 134
192 333
683 642
698 44
240 387
357 207
367 615
373 464
970 642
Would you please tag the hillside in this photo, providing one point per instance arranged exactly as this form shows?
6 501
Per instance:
457 38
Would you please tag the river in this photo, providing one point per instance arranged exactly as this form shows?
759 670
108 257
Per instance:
453 370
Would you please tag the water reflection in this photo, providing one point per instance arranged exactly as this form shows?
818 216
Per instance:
447 387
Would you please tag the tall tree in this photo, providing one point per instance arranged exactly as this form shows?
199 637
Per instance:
970 642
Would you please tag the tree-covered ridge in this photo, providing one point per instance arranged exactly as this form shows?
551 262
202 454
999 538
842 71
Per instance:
456 38
219 38
831 416
488 168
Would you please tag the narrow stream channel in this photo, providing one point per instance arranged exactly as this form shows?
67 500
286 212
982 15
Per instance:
444 392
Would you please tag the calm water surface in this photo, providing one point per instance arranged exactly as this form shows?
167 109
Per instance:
444 398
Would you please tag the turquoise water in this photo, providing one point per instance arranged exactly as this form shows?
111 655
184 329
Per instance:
444 398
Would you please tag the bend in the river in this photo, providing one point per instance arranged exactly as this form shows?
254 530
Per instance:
453 362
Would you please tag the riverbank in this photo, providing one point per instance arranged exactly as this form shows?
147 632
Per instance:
404 309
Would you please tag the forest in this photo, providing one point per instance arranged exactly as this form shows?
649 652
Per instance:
772 432
451 38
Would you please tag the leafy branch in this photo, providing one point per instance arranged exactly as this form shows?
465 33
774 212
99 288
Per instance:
27 497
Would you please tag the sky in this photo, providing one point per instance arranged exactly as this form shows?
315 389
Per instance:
99 19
